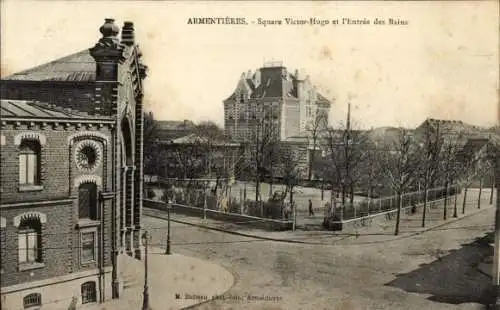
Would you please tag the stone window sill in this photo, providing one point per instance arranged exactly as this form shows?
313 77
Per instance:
30 188
30 266
84 223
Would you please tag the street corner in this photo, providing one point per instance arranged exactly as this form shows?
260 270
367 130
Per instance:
178 281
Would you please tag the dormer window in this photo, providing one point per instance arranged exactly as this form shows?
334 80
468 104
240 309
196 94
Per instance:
242 98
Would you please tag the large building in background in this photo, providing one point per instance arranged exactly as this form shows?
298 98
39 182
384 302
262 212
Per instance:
287 102
71 174
274 105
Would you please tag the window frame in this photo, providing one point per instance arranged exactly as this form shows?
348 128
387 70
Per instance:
83 260
90 290
93 214
27 227
36 304
30 148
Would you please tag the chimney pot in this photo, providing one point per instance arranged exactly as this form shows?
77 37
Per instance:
109 29
128 36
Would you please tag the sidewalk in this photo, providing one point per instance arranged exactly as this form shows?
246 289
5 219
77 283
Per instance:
377 233
194 280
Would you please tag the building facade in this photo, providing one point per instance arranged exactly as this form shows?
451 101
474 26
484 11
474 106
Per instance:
71 174
287 102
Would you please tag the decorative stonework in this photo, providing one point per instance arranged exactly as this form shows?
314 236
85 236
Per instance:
30 215
88 134
88 178
88 155
29 135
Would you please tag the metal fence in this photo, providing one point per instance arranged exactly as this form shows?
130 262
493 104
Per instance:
199 198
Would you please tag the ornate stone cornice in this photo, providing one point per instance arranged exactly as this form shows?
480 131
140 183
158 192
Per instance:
30 215
30 135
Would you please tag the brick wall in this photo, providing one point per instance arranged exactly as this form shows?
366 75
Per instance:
55 159
291 118
56 242
61 239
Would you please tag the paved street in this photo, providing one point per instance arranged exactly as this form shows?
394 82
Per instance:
434 270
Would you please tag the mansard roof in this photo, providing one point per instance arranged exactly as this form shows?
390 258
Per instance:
34 109
77 67
273 82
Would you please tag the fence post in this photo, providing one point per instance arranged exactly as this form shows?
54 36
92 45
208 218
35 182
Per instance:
380 204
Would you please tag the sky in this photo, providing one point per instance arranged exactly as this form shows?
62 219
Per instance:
443 63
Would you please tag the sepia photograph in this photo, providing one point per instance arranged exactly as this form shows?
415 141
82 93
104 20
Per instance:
161 155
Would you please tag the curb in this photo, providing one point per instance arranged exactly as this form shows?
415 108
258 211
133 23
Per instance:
395 238
229 231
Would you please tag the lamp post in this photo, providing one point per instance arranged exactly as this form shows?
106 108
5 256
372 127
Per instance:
145 302
169 206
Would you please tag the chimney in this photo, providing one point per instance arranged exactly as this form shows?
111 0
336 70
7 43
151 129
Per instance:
128 36
108 53
296 73
249 74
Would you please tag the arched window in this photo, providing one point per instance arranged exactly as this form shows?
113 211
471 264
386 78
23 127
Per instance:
87 201
30 241
89 293
32 300
29 163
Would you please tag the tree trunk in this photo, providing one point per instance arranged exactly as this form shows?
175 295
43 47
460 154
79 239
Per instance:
322 190
311 160
351 195
445 209
257 189
271 188
455 214
398 216
492 190
426 197
480 192
465 199
344 189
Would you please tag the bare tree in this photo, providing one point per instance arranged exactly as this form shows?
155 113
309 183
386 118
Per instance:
291 171
402 162
263 141
447 167
430 165
346 149
316 130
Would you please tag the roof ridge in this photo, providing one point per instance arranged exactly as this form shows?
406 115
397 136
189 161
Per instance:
26 71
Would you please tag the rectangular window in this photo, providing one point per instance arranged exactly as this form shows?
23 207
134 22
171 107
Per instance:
28 169
28 246
32 300
88 247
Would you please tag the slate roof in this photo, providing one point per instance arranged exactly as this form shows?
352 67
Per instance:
274 83
194 139
34 109
77 67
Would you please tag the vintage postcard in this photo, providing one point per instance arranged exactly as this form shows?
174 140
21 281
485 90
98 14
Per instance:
249 155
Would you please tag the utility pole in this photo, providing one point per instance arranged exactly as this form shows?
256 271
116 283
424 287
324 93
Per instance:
145 301
169 207
496 258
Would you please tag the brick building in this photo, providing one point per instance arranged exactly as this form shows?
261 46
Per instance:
289 102
272 105
71 174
